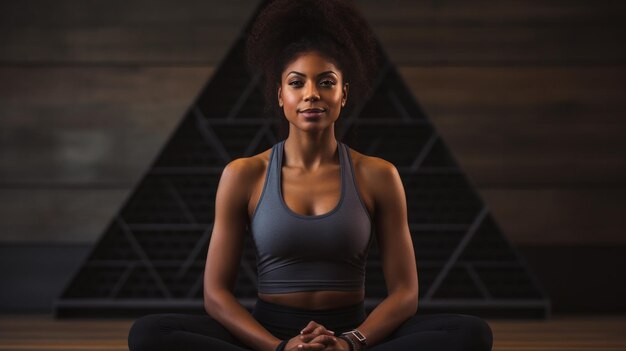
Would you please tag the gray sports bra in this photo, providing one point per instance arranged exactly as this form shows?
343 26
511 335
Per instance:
301 253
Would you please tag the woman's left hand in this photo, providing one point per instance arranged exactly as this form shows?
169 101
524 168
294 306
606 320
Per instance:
312 330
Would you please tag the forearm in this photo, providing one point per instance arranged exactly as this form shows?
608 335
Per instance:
224 307
388 315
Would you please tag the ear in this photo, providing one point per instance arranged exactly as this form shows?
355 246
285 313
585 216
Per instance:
345 94
280 99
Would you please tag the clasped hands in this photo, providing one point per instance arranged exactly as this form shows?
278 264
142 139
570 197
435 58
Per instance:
315 337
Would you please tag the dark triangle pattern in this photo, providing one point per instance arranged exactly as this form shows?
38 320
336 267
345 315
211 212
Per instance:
151 256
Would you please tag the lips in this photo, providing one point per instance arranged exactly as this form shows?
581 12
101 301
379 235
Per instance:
313 110
312 114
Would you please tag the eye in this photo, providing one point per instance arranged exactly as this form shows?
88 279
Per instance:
295 83
328 83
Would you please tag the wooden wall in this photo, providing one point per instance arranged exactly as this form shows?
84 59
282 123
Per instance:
528 94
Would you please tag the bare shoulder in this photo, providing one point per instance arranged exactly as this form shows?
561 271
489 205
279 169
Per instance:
247 166
245 171
373 169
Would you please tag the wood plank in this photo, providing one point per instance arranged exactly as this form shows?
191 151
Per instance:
412 32
561 333
44 333
118 45
502 44
143 84
579 333
106 12
559 216
408 44
121 12
82 124
528 125
485 11
541 93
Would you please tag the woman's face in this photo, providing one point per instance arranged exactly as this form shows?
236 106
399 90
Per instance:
312 92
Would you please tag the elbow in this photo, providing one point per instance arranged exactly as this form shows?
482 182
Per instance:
207 308
208 305
215 299
411 302
406 300
210 302
412 306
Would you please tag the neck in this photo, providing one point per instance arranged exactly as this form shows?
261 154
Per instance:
309 152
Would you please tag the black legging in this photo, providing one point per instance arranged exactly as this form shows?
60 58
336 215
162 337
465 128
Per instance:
436 332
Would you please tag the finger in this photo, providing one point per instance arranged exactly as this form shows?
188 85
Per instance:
324 339
319 330
309 327
315 328
309 336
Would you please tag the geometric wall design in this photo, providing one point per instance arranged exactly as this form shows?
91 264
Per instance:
151 256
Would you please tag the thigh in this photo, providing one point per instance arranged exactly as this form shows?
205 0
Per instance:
443 331
176 331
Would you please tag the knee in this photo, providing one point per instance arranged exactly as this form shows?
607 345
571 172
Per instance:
476 335
145 333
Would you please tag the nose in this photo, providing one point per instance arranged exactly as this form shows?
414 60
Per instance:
311 93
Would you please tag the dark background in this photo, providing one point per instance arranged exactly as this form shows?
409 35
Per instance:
528 95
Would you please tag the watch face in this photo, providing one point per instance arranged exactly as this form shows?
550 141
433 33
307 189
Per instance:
358 335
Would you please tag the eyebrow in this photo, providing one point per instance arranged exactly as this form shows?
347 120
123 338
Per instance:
319 75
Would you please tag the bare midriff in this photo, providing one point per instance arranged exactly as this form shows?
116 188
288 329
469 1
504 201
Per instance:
316 300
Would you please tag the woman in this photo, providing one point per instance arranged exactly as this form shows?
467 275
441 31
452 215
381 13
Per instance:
312 205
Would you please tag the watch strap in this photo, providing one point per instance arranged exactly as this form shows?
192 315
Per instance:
357 339
281 346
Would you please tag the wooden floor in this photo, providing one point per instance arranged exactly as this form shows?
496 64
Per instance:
578 333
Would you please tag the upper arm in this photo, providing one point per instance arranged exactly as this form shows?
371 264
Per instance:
393 235
229 226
